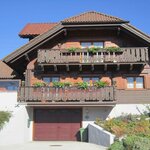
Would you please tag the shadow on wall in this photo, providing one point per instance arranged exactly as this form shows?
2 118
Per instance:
30 115
91 113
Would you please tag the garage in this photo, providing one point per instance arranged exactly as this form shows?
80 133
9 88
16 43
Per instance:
57 124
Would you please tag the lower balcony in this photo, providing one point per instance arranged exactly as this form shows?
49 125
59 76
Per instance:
66 96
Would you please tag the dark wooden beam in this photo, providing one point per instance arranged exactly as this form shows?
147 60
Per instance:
118 67
67 68
131 67
65 32
118 31
92 67
42 67
105 67
55 68
80 67
27 57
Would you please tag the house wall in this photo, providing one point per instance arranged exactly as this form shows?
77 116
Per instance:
108 36
105 112
19 128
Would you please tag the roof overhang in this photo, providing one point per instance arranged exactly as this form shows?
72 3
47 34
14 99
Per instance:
41 39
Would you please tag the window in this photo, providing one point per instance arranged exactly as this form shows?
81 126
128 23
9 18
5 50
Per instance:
85 44
9 85
98 44
48 80
86 79
135 82
89 44
94 79
90 80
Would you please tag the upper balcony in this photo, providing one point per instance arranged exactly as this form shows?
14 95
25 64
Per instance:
137 55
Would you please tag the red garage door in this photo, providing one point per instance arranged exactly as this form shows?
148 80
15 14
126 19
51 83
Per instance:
57 124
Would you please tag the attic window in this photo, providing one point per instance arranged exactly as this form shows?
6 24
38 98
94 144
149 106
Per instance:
92 44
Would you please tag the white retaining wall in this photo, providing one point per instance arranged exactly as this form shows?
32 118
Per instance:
19 128
99 136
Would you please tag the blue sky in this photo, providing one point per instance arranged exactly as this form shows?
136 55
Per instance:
15 14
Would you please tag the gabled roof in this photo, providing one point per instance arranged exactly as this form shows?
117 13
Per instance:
34 29
6 72
59 28
93 17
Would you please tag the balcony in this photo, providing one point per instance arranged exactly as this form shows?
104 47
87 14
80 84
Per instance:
138 55
66 96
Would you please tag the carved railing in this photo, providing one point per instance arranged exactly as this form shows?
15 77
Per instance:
70 94
126 55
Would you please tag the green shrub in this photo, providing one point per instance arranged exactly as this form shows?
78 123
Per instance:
67 84
61 84
113 49
100 84
93 49
136 143
82 85
58 84
127 125
117 145
142 144
132 143
73 49
4 117
39 84
129 141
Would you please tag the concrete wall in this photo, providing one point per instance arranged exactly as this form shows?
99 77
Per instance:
91 113
98 135
18 129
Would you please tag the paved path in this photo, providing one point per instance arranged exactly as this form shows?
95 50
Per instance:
53 146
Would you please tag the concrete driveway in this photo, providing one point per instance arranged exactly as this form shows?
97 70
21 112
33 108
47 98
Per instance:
53 146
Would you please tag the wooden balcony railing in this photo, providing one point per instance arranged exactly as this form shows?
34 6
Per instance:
66 95
126 55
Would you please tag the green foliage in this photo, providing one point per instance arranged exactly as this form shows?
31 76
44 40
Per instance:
118 145
147 110
39 84
67 84
129 141
82 85
127 125
100 84
73 49
142 144
58 84
4 117
61 84
93 49
113 49
132 143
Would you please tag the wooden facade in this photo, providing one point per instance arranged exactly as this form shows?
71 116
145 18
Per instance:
47 55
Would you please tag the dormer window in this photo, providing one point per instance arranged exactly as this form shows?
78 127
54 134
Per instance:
92 44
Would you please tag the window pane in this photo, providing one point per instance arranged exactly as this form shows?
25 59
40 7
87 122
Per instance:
55 79
139 82
9 85
94 79
85 44
86 79
46 79
98 44
130 82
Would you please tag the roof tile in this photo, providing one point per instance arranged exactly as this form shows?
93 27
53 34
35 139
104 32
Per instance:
34 29
6 72
93 17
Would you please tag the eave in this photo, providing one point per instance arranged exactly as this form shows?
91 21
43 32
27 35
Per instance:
41 39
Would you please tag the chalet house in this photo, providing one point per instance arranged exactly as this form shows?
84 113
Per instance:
69 73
